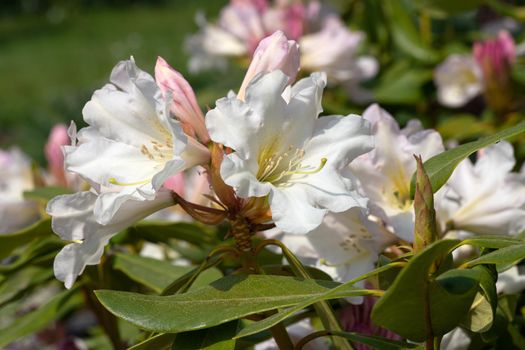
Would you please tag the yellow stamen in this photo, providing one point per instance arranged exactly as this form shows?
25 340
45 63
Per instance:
114 181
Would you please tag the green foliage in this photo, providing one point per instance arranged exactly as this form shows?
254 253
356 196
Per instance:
10 241
37 319
227 299
440 167
214 338
420 304
157 274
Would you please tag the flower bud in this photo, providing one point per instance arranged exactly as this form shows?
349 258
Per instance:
274 52
53 151
184 105
495 58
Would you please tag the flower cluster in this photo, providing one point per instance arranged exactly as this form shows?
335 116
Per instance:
326 44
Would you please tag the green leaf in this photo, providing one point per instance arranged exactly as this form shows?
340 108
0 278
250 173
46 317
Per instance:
34 321
160 231
443 8
22 280
40 250
227 299
158 274
402 84
342 291
502 258
10 241
215 338
46 193
440 167
161 341
418 304
493 242
406 35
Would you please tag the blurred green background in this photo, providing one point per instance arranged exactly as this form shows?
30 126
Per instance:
54 54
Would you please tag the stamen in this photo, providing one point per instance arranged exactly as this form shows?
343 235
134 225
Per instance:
316 170
114 181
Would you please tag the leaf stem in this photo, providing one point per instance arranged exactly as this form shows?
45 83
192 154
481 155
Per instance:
281 337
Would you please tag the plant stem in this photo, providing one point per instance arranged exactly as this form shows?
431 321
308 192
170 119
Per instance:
281 337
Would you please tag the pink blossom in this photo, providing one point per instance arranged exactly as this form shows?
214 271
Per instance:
53 152
184 105
274 52
495 56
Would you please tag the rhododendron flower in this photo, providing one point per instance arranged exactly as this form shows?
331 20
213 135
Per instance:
486 197
346 245
284 151
511 281
385 173
73 220
458 80
15 178
58 137
132 145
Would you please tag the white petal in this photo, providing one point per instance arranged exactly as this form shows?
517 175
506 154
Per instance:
292 210
240 175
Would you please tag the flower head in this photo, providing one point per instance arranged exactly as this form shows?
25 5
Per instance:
385 173
15 178
458 80
284 151
486 197
132 145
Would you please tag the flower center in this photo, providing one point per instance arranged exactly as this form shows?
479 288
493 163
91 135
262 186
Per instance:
278 168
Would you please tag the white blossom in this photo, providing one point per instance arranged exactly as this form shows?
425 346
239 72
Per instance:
73 220
458 80
485 197
284 151
15 178
132 144
385 173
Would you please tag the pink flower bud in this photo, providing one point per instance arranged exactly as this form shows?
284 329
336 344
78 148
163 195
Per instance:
274 52
53 152
184 105
176 183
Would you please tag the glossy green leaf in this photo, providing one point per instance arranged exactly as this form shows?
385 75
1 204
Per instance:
493 242
161 341
158 274
342 291
227 299
38 251
10 241
417 301
502 258
215 338
440 167
480 316
34 321
22 280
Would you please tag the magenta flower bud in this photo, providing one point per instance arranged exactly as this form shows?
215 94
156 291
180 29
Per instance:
54 155
274 52
184 105
356 318
495 58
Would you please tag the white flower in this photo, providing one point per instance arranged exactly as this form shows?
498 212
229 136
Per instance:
385 173
15 178
132 144
456 339
73 220
485 198
284 151
458 80
334 50
345 246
